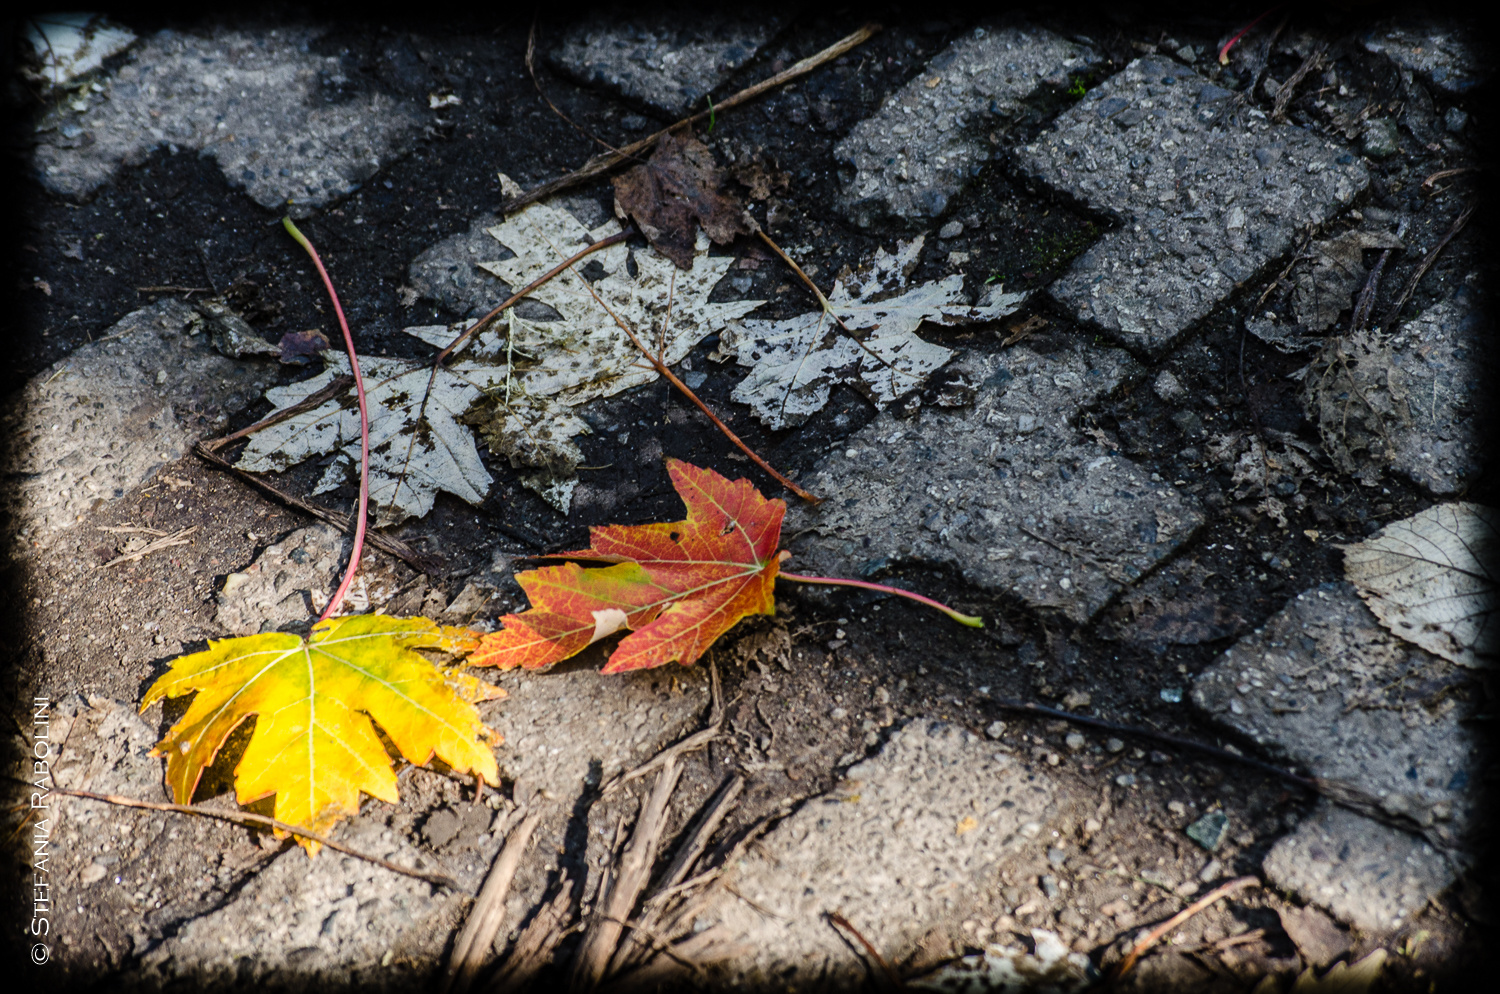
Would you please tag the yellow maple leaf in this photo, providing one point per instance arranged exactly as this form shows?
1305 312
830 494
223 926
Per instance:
316 703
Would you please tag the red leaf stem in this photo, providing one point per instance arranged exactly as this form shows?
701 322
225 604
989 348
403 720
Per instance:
973 621
364 427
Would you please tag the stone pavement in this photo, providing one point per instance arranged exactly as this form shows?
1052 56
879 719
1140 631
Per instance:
1052 475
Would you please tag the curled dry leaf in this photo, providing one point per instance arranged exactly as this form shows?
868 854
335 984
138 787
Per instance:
673 192
1322 292
1431 579
794 363
678 585
316 704
1341 978
1411 399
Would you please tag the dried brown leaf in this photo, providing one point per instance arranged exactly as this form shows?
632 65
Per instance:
674 192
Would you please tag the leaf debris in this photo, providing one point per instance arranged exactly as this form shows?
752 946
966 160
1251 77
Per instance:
1430 578
795 363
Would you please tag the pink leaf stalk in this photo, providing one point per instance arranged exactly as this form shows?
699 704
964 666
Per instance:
337 599
963 619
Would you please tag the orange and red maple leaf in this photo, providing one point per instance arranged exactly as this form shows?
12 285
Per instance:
678 586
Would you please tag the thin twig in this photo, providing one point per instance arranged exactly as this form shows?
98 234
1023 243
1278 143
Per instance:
631 874
536 941
418 561
1431 257
1366 302
526 291
839 921
247 818
180 538
531 71
473 944
1446 174
696 952
1155 934
1296 258
335 387
172 289
1106 568
666 371
601 164
458 342
692 743
1289 88
703 828
337 599
823 303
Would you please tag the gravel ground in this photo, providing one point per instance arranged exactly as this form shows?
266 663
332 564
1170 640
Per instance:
1142 477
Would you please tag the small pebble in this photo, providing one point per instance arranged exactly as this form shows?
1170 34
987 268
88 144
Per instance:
1092 825
1168 387
1053 759
1177 808
1125 779
1211 871
1057 857
1050 888
1114 745
1075 741
995 729
838 714
1209 831
951 230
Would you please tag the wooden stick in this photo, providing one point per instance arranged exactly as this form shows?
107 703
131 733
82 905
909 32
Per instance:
246 817
1447 174
335 387
839 921
631 874
712 816
1289 88
708 822
472 947
693 742
536 941
180 538
712 945
525 291
1431 257
603 163
1151 939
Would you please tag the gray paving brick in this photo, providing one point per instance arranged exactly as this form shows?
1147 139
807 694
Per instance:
1207 196
249 100
1004 490
1314 686
931 137
661 59
911 838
